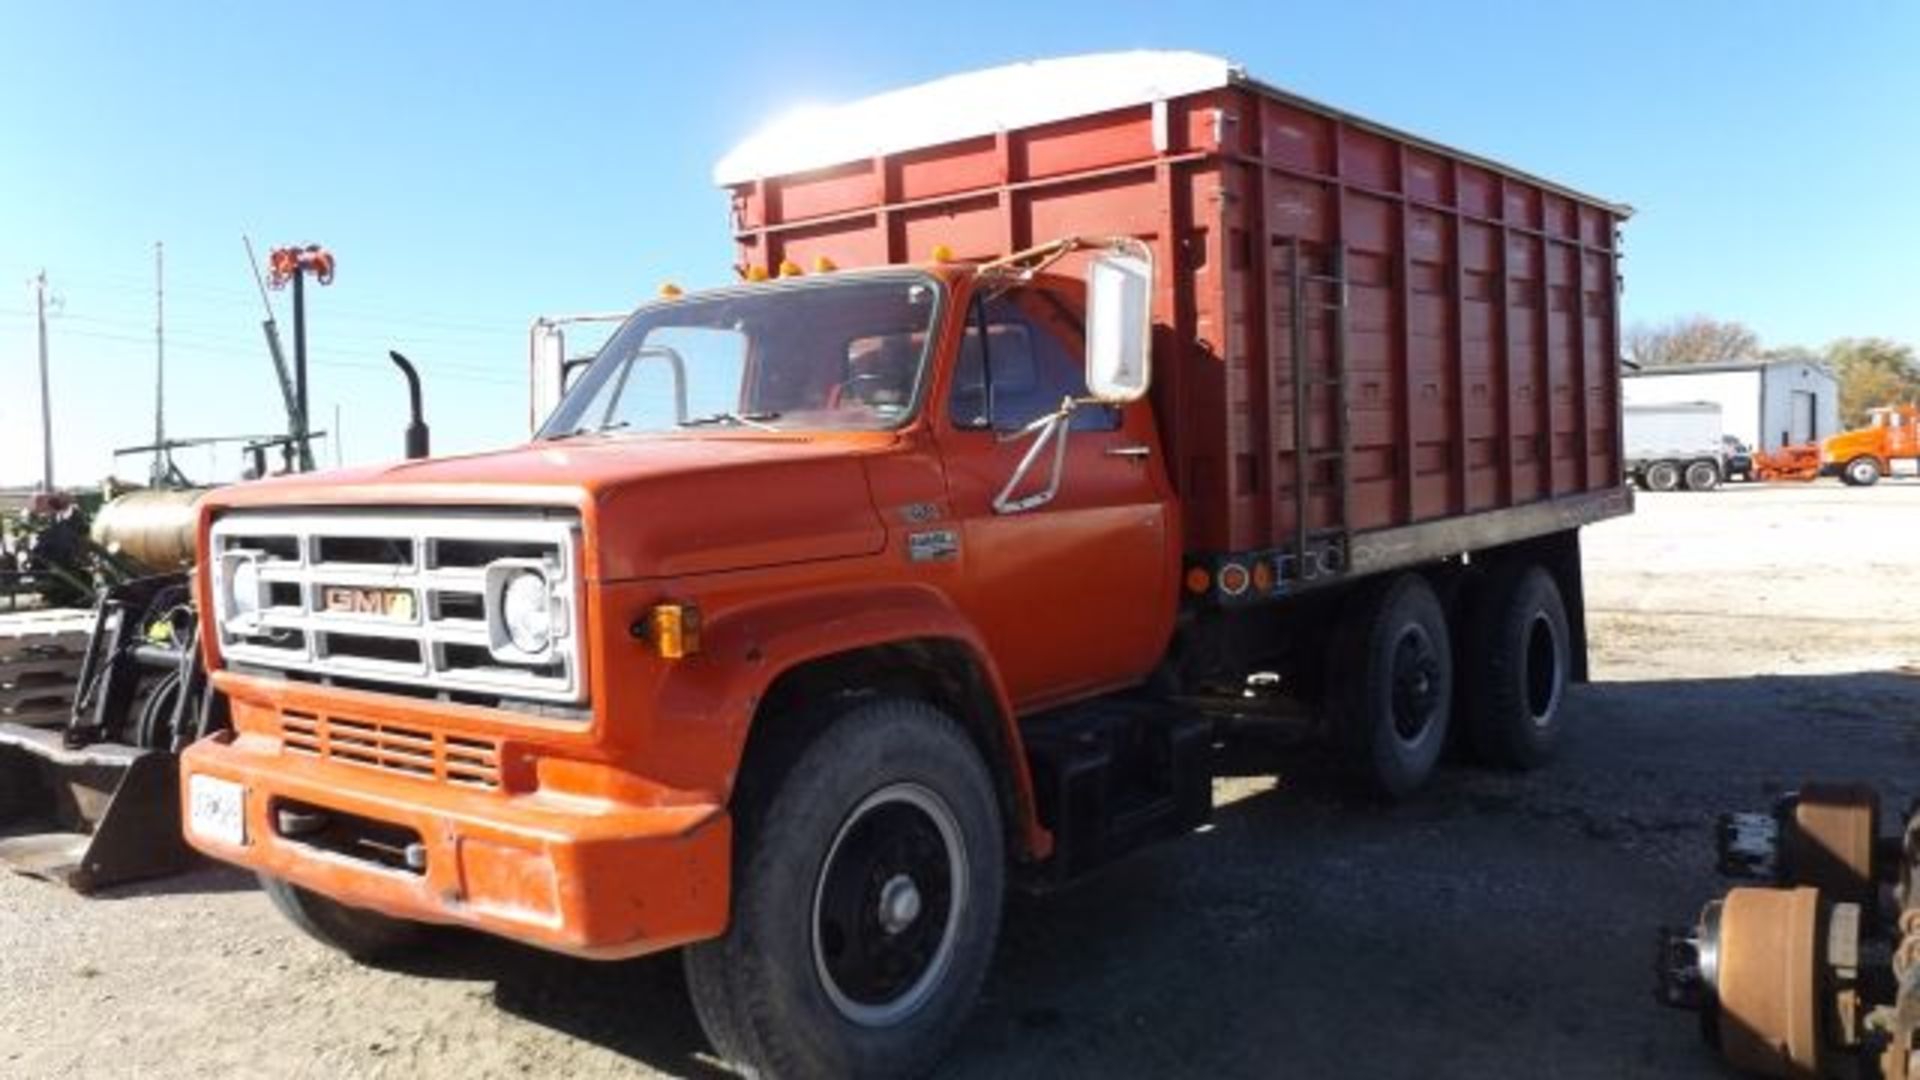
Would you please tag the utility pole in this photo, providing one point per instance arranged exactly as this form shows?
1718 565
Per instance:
159 474
46 400
338 449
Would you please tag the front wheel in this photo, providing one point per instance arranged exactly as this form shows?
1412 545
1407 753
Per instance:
1862 472
869 870
367 936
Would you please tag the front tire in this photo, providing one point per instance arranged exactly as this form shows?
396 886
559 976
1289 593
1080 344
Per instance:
367 936
869 871
1390 685
1861 472
1516 675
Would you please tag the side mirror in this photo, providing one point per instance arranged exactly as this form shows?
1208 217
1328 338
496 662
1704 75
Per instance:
546 371
1119 325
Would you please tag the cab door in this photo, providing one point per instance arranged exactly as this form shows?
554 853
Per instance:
1075 595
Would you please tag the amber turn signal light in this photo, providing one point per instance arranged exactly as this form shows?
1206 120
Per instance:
672 629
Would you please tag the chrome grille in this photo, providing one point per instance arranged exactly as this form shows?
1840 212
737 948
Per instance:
399 598
429 755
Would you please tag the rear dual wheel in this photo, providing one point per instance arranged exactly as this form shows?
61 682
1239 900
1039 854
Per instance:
1390 685
1516 662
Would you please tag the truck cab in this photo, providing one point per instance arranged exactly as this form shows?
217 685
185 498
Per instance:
523 691
1888 446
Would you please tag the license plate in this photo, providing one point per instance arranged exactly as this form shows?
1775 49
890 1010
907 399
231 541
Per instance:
216 809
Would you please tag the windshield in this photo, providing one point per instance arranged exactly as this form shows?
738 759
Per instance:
823 354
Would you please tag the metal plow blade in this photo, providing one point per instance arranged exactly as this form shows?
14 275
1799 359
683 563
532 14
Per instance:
90 817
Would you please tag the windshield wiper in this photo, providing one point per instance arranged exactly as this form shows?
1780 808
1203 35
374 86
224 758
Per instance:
588 429
752 420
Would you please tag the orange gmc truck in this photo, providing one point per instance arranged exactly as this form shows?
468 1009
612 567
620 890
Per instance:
1076 429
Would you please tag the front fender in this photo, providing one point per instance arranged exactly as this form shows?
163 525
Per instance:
746 647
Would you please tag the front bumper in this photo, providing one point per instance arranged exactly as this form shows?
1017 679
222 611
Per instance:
607 877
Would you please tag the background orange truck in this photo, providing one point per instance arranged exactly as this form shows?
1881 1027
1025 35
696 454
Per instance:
1888 446
1078 428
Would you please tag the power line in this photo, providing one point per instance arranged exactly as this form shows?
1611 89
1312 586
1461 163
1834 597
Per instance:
233 346
446 321
456 375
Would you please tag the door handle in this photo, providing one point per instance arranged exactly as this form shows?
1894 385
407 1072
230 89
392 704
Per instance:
1141 452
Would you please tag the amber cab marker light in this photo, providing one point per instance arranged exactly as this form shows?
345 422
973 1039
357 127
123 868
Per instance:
823 265
670 291
942 253
756 273
672 629
789 268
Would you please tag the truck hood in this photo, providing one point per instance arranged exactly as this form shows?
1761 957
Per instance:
656 506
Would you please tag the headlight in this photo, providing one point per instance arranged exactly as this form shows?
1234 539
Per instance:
243 590
526 609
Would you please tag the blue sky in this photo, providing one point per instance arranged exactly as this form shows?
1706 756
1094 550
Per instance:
475 165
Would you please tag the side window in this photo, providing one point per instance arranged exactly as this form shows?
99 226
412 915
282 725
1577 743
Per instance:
1029 367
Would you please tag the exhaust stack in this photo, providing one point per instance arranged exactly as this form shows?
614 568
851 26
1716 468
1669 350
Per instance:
417 439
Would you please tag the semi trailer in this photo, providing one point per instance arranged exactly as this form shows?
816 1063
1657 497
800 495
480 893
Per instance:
1076 430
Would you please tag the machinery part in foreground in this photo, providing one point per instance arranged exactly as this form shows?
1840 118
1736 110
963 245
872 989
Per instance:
1819 976
1824 835
1775 971
97 802
154 528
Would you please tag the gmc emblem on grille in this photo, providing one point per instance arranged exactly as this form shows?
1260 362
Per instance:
379 603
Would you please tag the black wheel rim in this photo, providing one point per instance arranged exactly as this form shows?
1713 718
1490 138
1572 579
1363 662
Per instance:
889 895
1416 684
1543 670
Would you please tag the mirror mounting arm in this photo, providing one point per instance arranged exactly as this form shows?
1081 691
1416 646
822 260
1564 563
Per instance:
1054 427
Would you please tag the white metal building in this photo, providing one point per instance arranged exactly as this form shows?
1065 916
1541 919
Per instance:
1764 404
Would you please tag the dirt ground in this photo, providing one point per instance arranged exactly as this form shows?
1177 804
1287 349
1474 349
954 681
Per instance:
1499 925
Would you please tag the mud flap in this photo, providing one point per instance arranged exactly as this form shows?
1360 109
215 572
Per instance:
91 817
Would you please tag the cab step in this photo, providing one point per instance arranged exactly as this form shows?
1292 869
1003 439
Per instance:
1116 775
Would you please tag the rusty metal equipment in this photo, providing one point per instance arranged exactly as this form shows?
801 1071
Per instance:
1800 462
1813 971
95 802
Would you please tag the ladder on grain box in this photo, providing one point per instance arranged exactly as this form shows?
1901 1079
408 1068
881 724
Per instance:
1319 552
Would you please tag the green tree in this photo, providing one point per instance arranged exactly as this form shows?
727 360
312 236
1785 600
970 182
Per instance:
1872 371
1696 339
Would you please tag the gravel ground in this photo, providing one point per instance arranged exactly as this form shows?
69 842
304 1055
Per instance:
1500 925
